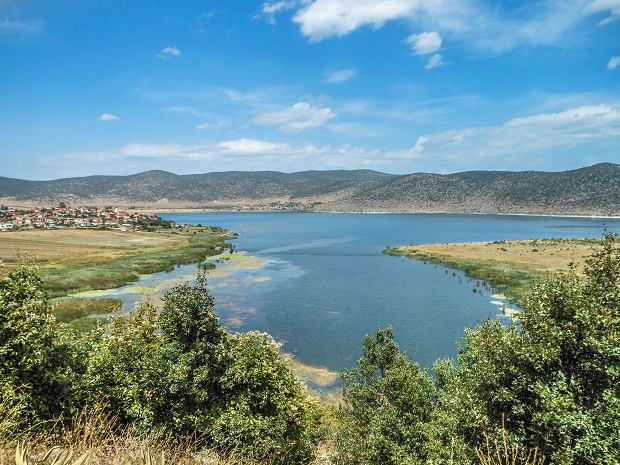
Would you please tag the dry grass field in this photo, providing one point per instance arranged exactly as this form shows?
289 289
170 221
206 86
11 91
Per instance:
512 267
75 246
73 260
546 257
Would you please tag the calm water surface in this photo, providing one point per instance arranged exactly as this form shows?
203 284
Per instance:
319 282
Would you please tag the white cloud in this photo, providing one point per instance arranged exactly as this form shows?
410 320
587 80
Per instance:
435 61
324 18
518 144
341 76
251 146
480 24
108 117
271 8
156 150
585 121
219 125
424 43
523 137
613 63
612 7
169 52
21 28
299 117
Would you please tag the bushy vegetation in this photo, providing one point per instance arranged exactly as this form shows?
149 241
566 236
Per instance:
177 374
542 390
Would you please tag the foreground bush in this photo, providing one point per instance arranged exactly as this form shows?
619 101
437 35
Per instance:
544 389
387 405
179 374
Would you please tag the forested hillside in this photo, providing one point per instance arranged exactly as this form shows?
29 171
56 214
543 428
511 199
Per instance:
593 190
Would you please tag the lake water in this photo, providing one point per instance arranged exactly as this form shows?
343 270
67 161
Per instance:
318 282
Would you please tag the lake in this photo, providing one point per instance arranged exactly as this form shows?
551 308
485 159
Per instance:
319 282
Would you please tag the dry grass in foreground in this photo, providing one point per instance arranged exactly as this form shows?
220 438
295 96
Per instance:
93 439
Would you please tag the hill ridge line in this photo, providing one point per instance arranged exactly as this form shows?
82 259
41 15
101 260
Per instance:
592 191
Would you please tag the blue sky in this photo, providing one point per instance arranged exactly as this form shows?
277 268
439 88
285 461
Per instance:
400 86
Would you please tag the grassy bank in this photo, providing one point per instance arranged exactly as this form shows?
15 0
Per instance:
85 314
511 267
74 260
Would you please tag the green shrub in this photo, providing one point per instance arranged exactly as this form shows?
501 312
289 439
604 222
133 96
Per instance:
553 377
387 406
33 369
183 374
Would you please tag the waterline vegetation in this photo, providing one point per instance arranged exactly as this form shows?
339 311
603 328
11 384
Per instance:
72 260
511 267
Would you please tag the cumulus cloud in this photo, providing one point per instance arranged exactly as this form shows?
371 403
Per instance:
325 18
341 76
299 117
108 117
424 43
477 23
613 63
169 52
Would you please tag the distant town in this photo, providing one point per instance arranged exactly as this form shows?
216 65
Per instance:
12 219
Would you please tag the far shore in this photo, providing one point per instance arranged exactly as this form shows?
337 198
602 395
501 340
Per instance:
163 211
248 206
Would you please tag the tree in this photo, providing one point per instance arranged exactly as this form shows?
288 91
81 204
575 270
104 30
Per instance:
34 368
264 410
387 406
550 381
183 374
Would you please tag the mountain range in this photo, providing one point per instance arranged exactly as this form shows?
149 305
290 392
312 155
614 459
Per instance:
593 190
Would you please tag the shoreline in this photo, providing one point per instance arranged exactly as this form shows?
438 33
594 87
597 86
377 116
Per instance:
164 211
510 266
323 383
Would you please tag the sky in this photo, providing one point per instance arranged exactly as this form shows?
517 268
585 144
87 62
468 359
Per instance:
117 87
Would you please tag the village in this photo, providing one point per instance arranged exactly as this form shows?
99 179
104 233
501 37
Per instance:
12 219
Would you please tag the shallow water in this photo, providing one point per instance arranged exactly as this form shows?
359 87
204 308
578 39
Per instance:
319 282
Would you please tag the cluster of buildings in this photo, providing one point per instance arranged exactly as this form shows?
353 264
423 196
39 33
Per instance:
12 219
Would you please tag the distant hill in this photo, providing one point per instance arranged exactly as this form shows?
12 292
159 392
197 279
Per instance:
594 190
